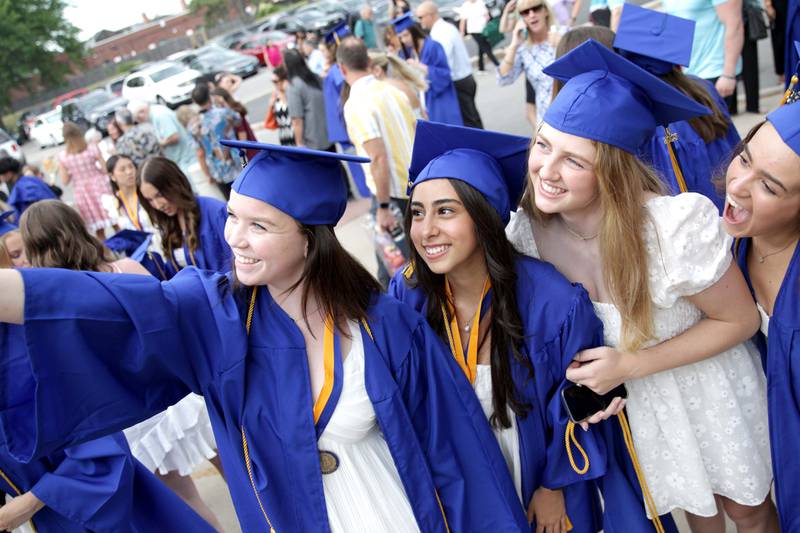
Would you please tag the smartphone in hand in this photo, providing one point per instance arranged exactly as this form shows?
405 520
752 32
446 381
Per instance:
582 402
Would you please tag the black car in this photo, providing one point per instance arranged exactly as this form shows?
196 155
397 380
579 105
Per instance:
213 59
95 109
309 19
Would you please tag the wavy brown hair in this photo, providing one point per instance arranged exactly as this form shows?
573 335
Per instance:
172 183
506 329
576 37
622 180
5 258
55 236
709 127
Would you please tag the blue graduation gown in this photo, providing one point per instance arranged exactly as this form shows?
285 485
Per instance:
700 161
109 350
28 190
558 321
213 253
780 354
550 307
337 130
441 100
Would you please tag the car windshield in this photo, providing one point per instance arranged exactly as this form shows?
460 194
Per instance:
95 99
217 54
167 72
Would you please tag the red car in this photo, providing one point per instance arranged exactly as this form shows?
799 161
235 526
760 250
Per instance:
72 94
256 46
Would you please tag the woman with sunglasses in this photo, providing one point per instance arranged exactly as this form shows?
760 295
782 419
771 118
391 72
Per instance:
530 51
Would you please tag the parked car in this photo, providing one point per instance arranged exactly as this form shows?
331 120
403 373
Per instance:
9 147
58 100
166 82
309 19
47 130
93 110
115 86
254 46
213 59
229 40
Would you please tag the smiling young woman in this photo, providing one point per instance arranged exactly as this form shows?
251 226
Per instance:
675 309
335 408
762 210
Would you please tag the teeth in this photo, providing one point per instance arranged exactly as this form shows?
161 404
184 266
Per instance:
552 189
245 260
731 201
433 250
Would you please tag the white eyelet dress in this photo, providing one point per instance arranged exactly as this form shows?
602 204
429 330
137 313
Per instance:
365 494
700 429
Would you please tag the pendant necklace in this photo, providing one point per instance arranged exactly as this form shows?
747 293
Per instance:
576 234
761 257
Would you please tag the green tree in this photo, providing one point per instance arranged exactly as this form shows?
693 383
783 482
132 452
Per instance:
214 10
38 46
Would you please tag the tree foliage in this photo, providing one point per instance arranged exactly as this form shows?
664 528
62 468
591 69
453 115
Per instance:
38 46
215 10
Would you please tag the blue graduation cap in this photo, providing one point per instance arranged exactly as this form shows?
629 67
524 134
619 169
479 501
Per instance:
339 32
5 225
607 98
654 40
786 120
494 163
403 22
127 241
305 184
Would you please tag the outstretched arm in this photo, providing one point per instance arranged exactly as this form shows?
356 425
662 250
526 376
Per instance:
12 297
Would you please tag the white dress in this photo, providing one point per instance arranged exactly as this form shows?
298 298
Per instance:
507 438
764 320
700 429
365 494
119 217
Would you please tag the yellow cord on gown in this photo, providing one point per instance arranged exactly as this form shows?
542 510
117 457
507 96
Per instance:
789 89
626 434
245 448
670 138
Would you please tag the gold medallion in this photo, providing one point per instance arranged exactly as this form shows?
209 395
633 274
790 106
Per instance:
328 462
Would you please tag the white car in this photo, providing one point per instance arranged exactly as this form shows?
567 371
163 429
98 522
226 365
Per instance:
167 83
9 147
47 130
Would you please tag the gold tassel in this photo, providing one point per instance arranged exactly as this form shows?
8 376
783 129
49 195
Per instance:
670 138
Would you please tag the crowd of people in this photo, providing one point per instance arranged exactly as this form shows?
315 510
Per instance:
595 326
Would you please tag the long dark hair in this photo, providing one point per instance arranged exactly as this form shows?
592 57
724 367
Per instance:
506 325
418 35
172 183
709 127
111 164
296 67
232 103
55 236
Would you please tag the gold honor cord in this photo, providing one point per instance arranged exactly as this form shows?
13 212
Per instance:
15 489
670 138
329 362
789 89
470 366
133 214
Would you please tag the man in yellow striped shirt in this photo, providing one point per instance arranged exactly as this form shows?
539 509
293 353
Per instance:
381 124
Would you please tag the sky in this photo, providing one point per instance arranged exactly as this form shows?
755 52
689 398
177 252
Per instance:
91 16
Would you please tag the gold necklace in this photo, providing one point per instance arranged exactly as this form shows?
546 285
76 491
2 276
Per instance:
761 257
576 234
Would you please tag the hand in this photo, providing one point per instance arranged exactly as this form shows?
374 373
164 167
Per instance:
601 369
616 405
550 511
385 219
516 35
770 11
511 6
725 86
19 510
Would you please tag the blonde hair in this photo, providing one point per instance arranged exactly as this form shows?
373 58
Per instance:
185 114
522 5
398 69
5 258
622 179
73 138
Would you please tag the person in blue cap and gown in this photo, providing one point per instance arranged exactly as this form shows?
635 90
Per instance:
762 210
335 408
192 227
441 99
703 145
12 252
513 322
332 85
676 311
22 190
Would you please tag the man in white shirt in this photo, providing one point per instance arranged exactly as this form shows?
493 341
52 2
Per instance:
474 16
450 38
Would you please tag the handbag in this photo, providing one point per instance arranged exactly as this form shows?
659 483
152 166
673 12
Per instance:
754 21
271 123
492 32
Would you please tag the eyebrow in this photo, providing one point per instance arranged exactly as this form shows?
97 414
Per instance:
573 154
253 219
764 173
439 202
